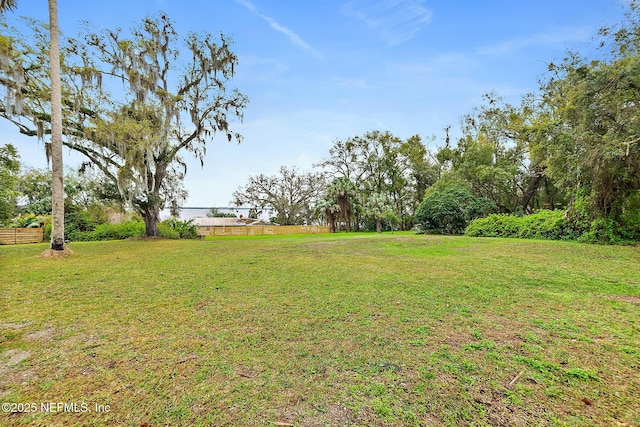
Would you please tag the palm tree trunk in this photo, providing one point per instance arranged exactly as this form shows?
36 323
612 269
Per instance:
57 187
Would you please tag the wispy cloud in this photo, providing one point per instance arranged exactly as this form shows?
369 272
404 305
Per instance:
397 21
559 37
294 38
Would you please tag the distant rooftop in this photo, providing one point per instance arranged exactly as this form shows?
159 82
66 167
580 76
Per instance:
228 222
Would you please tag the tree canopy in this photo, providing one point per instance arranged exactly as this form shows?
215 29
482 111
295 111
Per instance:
289 196
9 169
172 98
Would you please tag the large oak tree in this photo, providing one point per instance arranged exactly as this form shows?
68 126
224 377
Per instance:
290 195
133 103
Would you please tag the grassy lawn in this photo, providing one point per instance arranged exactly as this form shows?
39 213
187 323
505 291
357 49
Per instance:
335 330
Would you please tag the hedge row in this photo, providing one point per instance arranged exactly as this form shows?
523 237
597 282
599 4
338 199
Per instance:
168 229
553 225
546 224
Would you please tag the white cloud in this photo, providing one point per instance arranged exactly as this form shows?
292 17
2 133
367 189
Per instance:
562 37
397 21
293 37
248 5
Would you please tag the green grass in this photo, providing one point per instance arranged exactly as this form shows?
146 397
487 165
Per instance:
361 330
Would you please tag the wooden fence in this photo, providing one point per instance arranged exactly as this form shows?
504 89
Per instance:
13 236
258 230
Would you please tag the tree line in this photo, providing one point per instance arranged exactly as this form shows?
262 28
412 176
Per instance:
573 146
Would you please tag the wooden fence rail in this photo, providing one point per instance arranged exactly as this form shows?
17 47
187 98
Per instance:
14 236
258 230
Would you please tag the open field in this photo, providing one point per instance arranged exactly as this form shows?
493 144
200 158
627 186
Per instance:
325 330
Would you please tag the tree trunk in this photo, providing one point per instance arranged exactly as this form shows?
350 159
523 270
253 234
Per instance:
378 225
536 179
332 222
151 218
57 186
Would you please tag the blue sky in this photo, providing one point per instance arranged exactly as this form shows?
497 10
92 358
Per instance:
317 71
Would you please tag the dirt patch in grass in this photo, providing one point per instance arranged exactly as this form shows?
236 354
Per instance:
41 335
13 357
299 415
10 374
335 415
50 253
628 298
13 326
499 413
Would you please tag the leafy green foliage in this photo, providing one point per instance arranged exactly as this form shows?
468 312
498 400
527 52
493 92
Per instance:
378 208
545 224
137 136
380 164
491 157
9 168
122 230
177 229
588 126
34 187
81 230
30 220
341 203
450 210
289 195
551 225
495 225
76 224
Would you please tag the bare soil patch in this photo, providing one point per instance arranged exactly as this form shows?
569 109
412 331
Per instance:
49 253
626 298
13 357
13 325
41 335
10 374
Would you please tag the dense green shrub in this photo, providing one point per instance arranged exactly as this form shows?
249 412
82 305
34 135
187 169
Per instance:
545 224
122 230
495 225
169 229
47 232
450 210
605 231
77 223
552 225
30 221
167 232
630 217
174 228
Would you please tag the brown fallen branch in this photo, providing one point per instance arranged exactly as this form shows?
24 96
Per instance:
513 381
